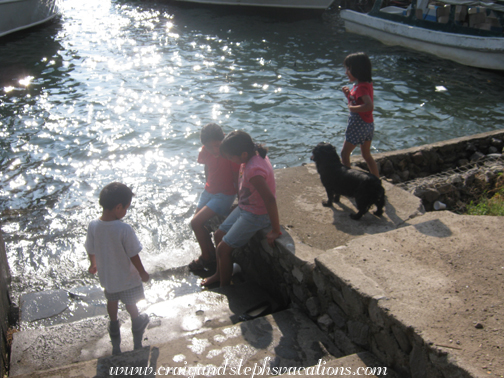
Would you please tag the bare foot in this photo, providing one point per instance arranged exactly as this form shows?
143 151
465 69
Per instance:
210 280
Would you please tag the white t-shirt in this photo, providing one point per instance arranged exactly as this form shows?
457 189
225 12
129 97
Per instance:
114 243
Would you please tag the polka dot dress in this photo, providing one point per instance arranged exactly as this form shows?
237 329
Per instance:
358 131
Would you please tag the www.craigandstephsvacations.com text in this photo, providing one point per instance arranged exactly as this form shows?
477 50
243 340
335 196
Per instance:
248 371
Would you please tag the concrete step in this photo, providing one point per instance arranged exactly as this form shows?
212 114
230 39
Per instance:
359 364
63 344
284 339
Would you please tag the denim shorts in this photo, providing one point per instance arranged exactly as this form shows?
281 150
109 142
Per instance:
219 203
128 297
241 225
358 131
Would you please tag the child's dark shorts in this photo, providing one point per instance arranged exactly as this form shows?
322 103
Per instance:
128 297
358 131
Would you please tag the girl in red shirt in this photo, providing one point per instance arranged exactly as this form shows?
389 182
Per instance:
360 128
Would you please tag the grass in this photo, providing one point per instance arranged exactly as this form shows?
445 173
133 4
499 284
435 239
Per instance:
488 206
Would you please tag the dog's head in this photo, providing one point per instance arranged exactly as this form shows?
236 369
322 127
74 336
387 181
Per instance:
325 152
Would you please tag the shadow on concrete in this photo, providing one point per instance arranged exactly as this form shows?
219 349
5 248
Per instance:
302 344
435 228
133 363
368 224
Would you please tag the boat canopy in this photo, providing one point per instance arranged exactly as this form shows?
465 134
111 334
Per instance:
489 5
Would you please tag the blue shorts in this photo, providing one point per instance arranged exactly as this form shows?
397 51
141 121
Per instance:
219 203
358 131
241 225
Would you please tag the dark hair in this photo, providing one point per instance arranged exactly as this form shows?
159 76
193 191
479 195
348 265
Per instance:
359 66
238 142
211 132
114 194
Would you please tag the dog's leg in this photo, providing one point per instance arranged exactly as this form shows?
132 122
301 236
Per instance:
380 204
328 203
357 216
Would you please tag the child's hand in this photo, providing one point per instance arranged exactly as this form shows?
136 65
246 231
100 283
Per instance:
272 236
346 91
144 276
92 269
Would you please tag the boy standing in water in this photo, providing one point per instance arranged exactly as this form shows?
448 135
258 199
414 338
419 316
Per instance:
219 194
113 248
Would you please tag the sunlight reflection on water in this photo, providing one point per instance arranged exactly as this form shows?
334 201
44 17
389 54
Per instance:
119 90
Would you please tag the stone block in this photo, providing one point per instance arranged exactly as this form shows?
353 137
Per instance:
388 344
337 297
358 333
337 315
313 306
376 314
344 343
325 323
402 338
319 281
297 274
353 301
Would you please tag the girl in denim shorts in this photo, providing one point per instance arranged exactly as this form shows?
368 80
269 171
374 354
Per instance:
257 208
360 128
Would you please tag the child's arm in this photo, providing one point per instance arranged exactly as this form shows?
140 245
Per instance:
135 260
270 201
235 183
346 91
92 268
366 107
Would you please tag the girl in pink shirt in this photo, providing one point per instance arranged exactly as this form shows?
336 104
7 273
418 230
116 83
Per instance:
360 127
257 208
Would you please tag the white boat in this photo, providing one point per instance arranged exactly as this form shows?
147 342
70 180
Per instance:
318 5
16 15
467 32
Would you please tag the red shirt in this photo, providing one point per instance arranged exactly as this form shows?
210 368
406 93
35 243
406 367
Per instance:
219 173
355 98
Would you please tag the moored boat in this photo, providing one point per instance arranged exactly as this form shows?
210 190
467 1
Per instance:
464 31
317 5
16 15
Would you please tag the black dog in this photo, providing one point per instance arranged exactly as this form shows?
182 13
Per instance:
340 180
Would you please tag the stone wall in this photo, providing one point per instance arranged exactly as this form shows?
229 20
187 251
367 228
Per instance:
419 169
5 304
355 320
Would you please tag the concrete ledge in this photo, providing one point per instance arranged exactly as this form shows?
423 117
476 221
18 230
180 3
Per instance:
409 295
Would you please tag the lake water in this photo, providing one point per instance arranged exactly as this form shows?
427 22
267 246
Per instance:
119 90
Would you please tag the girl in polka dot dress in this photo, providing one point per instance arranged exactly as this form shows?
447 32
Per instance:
360 128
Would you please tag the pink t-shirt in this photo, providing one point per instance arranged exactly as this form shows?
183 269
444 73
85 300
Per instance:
250 199
219 173
359 90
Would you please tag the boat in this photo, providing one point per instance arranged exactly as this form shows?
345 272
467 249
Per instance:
464 31
16 15
312 5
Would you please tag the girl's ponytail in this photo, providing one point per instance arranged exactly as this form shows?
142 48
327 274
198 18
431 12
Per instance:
238 141
261 149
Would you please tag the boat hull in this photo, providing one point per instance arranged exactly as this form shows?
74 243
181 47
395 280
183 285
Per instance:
16 15
286 4
475 51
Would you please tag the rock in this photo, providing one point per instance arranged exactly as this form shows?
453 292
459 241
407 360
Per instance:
395 178
492 150
418 158
471 148
478 326
497 143
388 168
476 156
404 175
